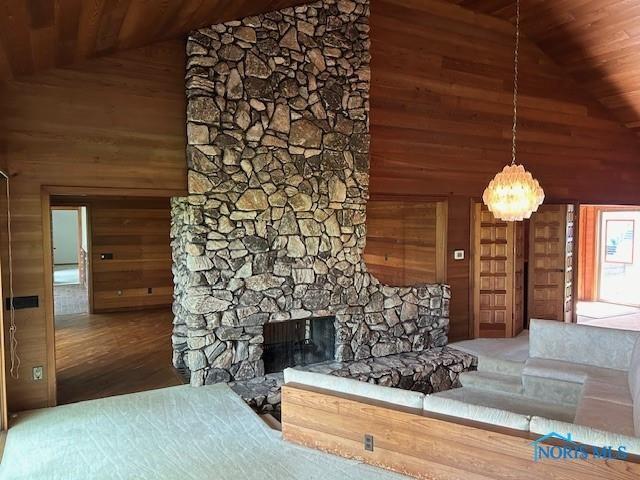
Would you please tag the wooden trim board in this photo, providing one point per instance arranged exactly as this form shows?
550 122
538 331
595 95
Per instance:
442 224
50 332
425 446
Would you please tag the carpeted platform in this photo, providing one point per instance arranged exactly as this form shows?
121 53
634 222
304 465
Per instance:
512 349
172 433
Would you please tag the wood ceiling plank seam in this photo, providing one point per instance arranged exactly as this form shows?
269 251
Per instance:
67 26
181 22
110 25
405 17
438 44
205 10
88 28
14 34
5 66
139 21
447 10
590 33
41 13
557 41
237 10
169 17
43 41
611 58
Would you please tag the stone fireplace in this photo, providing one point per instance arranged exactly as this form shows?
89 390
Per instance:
274 226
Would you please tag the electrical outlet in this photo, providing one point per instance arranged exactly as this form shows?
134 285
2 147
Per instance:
368 442
37 373
458 254
149 291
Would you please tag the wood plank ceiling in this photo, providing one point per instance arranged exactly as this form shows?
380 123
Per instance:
40 34
596 41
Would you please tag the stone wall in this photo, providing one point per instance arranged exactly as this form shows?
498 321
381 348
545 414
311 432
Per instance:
180 235
274 227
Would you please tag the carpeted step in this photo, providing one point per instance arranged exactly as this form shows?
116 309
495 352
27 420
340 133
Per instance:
492 382
502 366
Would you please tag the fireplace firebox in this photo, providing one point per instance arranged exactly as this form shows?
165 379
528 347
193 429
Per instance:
298 342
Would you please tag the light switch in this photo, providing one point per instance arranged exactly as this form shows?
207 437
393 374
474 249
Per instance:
458 254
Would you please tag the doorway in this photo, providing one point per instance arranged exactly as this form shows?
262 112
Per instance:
619 272
69 233
609 266
522 270
117 251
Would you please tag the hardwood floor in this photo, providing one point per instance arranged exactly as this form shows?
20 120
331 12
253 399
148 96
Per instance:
101 355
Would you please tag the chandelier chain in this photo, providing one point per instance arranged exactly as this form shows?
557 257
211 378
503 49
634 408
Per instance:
515 86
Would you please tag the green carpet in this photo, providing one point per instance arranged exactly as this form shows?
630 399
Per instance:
173 433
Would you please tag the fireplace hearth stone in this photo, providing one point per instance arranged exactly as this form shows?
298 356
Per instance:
430 371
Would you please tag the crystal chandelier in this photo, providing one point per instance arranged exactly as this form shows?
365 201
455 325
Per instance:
513 194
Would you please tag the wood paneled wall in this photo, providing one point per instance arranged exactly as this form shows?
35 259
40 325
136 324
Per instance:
441 92
136 232
406 241
115 122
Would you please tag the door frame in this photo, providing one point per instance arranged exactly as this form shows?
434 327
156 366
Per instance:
46 192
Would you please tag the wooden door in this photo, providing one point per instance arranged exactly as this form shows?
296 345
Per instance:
551 246
498 275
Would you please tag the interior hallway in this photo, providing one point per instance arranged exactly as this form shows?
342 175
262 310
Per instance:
101 355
